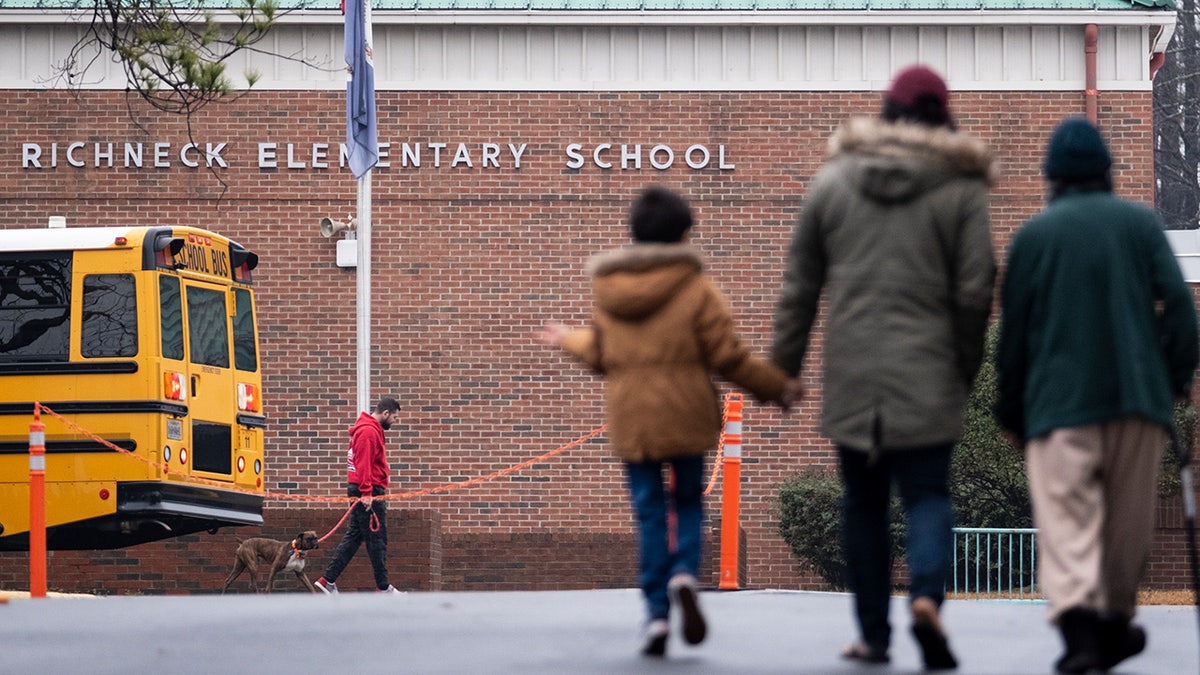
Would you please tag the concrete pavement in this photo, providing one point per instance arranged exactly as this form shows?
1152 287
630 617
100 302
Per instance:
526 633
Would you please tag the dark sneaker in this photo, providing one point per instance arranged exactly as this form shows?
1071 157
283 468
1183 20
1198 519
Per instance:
1119 640
683 594
1080 629
654 640
326 587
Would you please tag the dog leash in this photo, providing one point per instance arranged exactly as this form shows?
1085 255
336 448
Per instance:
372 522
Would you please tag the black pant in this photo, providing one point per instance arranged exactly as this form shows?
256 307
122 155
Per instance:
360 530
922 476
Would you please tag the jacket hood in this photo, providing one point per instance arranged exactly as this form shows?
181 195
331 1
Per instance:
895 162
366 420
634 281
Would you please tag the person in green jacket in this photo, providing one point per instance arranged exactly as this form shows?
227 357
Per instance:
895 234
1098 336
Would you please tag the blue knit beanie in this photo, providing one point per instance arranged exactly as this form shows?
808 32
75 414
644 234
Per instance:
1076 151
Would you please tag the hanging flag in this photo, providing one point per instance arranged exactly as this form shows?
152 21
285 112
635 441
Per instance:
362 136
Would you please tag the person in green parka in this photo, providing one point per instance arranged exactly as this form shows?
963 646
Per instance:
1098 337
895 238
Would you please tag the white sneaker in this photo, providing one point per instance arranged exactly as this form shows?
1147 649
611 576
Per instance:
326 587
654 640
683 593
390 589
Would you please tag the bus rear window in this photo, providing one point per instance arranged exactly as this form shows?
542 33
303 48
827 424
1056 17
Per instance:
35 307
245 356
208 332
171 311
109 316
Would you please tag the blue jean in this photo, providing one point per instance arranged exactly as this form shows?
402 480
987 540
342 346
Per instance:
922 477
658 562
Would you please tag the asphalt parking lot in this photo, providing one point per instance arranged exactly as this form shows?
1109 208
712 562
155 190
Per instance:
527 633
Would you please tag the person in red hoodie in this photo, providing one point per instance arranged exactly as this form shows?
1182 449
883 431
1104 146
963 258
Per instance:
367 469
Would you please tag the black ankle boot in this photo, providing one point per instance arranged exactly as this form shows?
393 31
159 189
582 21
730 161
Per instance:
1119 640
1081 634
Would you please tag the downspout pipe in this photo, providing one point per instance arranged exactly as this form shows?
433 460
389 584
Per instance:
1158 48
1091 95
1156 62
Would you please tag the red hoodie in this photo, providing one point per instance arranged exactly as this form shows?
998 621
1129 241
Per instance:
366 464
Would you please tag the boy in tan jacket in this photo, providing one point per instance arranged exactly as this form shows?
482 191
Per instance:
660 328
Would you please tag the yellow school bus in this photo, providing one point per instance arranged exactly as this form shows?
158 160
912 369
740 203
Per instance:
144 337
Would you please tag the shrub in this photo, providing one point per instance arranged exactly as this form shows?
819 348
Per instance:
1185 425
810 522
987 475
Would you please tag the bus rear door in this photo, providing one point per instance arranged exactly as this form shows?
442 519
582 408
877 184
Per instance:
209 378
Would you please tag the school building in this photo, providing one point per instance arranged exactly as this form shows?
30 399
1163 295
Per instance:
513 135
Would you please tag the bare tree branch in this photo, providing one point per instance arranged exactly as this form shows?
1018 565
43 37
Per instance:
1177 124
174 55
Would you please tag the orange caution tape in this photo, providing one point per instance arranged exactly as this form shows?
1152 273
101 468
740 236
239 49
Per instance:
306 498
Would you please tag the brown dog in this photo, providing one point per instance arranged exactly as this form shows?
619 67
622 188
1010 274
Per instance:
278 555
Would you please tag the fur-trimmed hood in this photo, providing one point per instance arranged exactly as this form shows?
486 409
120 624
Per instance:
635 280
893 162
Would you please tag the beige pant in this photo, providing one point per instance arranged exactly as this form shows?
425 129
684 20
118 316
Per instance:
1093 491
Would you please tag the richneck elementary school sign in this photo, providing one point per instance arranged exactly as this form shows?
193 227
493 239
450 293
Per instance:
319 156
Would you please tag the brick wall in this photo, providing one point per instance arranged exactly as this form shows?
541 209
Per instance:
1168 566
200 563
468 262
420 558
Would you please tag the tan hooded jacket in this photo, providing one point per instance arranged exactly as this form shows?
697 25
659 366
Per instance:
659 329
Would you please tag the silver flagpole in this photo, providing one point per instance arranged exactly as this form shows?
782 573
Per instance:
363 278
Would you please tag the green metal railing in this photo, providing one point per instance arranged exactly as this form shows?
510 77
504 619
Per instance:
995 563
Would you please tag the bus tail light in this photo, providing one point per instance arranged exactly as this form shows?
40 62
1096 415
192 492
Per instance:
173 386
247 395
243 262
242 273
166 247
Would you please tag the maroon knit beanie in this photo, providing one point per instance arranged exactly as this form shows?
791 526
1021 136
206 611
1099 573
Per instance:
916 81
